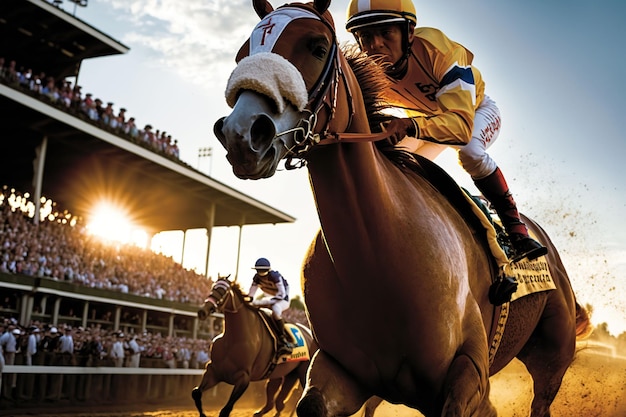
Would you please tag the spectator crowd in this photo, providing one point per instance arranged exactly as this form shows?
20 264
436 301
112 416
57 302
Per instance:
63 251
44 344
66 97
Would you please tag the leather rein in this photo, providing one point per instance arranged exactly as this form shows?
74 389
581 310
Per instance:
324 94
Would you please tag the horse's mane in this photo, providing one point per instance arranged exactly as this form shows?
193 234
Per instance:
236 288
370 74
239 293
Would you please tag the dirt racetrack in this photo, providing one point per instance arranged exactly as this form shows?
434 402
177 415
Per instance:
594 386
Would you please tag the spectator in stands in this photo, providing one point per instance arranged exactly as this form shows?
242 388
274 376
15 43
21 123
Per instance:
97 350
31 345
8 345
175 151
148 136
37 83
200 357
134 352
66 348
169 356
10 74
50 90
2 330
99 108
83 349
25 78
183 355
117 350
130 128
77 97
91 108
66 94
120 119
48 346
108 115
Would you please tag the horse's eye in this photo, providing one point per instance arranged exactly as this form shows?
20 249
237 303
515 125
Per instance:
320 52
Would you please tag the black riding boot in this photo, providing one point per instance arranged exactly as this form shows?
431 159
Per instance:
284 346
496 190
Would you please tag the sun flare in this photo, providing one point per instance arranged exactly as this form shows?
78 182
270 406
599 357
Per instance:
111 222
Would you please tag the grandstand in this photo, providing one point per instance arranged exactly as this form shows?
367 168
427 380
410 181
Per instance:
55 152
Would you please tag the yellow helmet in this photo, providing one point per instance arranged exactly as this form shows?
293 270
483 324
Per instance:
363 13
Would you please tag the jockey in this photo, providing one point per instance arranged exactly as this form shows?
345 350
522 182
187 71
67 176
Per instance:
435 84
273 284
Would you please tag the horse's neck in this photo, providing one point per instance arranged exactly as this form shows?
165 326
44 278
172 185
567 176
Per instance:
363 198
238 316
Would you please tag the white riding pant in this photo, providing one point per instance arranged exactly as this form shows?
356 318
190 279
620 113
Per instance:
277 309
473 157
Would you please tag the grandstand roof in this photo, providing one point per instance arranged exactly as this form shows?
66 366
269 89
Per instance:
84 162
37 34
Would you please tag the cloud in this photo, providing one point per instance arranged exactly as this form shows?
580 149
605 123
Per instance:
194 38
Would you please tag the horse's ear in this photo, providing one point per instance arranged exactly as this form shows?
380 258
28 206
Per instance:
321 5
244 51
263 7
220 276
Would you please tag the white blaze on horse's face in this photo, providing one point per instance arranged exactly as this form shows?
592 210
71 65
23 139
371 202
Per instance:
268 95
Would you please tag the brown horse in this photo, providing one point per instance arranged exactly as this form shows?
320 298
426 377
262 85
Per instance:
396 284
245 352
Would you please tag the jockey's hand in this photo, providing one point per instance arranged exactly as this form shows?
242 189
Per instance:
399 128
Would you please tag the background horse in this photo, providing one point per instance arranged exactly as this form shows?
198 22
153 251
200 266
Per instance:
245 352
396 284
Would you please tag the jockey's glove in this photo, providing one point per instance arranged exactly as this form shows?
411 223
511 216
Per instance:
399 128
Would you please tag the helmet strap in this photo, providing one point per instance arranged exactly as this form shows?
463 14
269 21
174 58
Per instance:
399 69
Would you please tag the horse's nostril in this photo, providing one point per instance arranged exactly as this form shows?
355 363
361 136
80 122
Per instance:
217 130
262 131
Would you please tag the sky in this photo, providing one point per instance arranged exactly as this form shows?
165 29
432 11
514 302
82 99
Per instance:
555 69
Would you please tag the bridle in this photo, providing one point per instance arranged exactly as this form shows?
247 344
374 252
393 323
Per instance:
225 293
323 94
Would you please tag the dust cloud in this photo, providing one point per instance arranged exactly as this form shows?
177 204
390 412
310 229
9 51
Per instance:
594 386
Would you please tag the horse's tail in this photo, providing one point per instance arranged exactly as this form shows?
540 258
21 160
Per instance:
583 322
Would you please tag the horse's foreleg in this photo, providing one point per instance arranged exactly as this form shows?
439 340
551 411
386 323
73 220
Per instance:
209 380
240 387
271 387
329 390
466 390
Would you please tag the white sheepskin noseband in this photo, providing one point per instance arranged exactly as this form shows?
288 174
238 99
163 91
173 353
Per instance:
269 74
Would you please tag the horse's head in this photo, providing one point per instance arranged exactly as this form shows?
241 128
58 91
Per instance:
220 292
281 88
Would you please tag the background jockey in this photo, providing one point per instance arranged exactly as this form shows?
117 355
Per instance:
276 288
435 84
